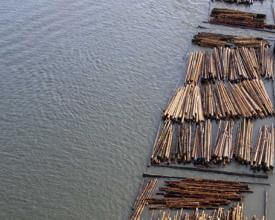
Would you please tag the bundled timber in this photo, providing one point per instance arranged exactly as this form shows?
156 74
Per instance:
201 146
244 142
194 67
234 213
197 193
162 148
266 61
185 105
184 143
141 200
244 2
237 18
264 152
217 101
188 148
247 99
206 39
223 152
234 65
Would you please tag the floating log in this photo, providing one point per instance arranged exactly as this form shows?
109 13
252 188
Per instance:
247 99
162 148
207 39
263 157
197 193
194 67
223 152
237 18
243 152
142 198
234 213
185 105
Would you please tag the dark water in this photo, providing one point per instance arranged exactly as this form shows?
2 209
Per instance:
83 87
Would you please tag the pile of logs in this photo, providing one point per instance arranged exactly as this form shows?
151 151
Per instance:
243 151
223 152
201 151
264 152
184 149
185 105
194 67
206 39
244 99
162 147
142 198
187 147
237 64
239 18
217 102
251 98
197 193
266 62
234 213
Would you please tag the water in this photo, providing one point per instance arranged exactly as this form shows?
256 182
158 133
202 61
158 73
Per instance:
83 87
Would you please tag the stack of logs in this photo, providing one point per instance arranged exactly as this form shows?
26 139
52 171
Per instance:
207 39
243 152
223 152
185 105
184 143
142 198
264 152
234 213
194 67
245 99
237 64
239 18
201 151
197 193
162 147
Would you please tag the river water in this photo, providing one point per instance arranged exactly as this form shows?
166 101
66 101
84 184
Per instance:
83 87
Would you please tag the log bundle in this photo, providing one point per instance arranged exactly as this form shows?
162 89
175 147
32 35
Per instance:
183 144
234 213
243 2
194 67
243 151
264 152
162 148
223 152
211 40
142 198
201 147
246 99
197 193
185 105
239 18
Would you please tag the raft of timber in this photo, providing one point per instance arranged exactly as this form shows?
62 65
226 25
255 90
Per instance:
190 193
